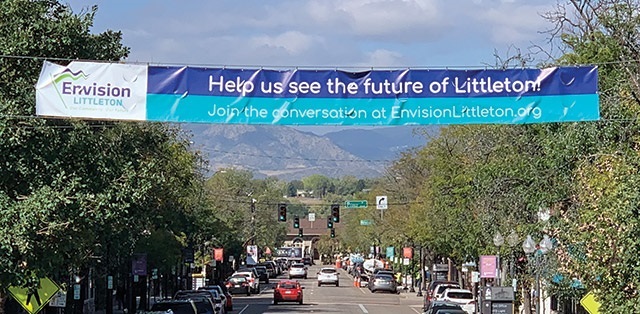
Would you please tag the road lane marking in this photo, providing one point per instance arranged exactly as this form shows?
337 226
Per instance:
363 309
243 309
415 310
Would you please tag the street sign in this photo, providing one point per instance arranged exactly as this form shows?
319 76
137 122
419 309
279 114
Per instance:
590 304
365 222
34 302
381 202
356 204
312 216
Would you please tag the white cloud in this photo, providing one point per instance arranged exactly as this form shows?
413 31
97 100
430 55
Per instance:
384 58
510 22
293 42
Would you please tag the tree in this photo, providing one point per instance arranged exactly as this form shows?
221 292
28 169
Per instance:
72 191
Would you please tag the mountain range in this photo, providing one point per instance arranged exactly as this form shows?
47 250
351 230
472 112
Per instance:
292 153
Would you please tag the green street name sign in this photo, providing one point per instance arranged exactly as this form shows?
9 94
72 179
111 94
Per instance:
355 204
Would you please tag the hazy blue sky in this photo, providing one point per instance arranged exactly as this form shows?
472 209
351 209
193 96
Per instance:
327 33
323 33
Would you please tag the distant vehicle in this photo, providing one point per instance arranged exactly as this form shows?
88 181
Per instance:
288 291
429 297
298 270
263 273
328 275
382 282
440 306
239 284
227 299
175 306
307 260
438 291
462 297
272 268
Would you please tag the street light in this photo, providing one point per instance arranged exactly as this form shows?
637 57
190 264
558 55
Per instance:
498 241
529 247
512 241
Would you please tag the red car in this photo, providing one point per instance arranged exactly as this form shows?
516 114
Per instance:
287 291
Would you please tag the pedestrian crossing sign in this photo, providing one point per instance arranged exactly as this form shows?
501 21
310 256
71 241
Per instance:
35 301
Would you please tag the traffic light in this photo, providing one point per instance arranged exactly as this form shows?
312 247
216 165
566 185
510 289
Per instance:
282 212
333 233
296 222
329 223
300 233
335 212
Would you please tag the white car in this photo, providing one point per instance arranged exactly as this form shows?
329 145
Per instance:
328 275
254 282
462 297
298 270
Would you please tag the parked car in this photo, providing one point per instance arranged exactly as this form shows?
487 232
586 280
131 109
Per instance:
288 291
272 268
227 299
440 306
239 284
428 295
252 277
263 274
205 301
462 297
298 270
382 282
175 306
328 275
439 290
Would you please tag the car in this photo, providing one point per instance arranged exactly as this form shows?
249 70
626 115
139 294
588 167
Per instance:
428 295
307 260
227 299
298 270
382 282
328 275
272 268
205 301
239 284
440 307
288 291
175 306
462 297
263 274
439 290
252 277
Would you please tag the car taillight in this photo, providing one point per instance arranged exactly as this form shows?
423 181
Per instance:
472 302
229 285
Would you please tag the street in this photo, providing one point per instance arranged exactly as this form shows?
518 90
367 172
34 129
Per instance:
343 299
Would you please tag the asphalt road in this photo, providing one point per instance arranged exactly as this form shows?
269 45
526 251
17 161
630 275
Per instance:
329 299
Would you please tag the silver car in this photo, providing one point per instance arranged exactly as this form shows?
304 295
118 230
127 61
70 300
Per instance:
382 282
298 270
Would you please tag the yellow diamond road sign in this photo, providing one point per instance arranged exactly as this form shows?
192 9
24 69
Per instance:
34 302
590 304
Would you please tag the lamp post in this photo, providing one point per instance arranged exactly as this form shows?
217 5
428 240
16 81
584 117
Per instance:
512 241
529 247
498 241
419 294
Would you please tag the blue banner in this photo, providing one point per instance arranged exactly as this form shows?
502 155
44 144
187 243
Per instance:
317 97
377 97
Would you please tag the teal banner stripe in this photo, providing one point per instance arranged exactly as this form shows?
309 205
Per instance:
349 111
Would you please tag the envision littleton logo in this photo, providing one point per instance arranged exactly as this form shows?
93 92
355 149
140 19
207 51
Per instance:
69 84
